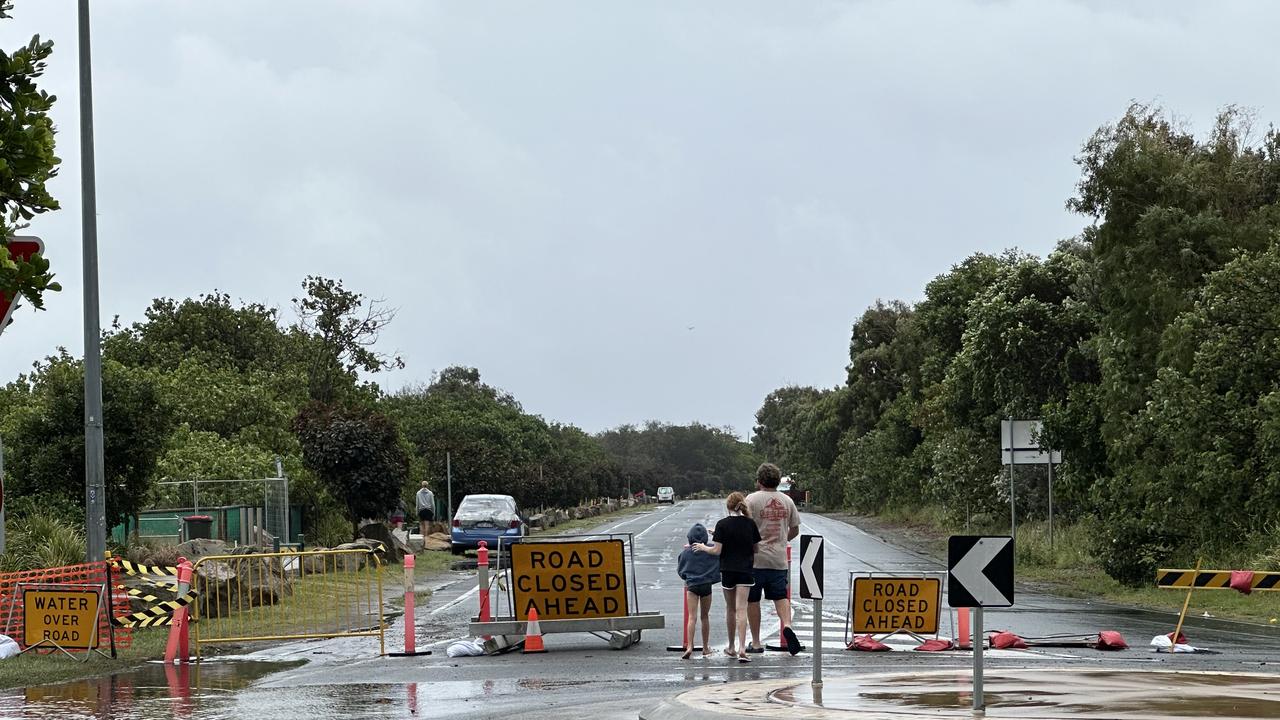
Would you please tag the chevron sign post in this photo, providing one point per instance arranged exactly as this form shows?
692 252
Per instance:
811 589
980 574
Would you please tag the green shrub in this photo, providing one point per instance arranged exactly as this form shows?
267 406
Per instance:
329 530
38 542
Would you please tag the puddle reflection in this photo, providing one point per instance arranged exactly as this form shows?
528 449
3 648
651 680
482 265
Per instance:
151 691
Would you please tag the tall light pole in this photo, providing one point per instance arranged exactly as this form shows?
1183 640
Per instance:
95 500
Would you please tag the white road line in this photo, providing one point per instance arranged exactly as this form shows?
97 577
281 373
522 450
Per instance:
454 602
615 526
651 526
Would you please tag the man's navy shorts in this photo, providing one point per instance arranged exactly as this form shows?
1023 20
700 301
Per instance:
771 583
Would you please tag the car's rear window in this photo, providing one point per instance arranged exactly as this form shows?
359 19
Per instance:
485 504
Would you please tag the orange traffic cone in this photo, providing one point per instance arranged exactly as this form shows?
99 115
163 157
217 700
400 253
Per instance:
533 634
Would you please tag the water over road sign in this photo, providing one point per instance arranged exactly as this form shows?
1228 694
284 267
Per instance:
569 580
66 618
981 571
891 604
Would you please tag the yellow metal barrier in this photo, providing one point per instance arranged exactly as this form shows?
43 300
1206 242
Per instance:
287 596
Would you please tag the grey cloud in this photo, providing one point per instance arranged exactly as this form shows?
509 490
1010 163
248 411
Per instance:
554 192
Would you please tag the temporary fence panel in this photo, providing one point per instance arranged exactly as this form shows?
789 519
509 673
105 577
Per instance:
244 597
276 509
12 612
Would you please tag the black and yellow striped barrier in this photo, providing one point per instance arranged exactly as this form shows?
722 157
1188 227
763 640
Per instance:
1212 580
133 568
146 596
154 615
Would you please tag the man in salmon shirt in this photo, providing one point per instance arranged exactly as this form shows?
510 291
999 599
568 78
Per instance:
779 522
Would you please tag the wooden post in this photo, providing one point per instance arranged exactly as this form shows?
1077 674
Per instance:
1186 603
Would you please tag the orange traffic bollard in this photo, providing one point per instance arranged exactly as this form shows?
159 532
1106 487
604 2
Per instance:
176 650
686 638
410 622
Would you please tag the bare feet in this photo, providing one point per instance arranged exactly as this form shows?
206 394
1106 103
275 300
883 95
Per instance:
742 658
687 654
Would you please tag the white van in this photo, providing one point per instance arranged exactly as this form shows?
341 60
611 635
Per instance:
667 495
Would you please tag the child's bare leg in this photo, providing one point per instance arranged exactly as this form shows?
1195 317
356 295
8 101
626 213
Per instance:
706 625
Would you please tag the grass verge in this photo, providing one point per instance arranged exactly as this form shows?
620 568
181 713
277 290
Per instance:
432 561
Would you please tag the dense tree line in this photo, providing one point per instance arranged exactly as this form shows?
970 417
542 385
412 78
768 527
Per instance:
211 389
1149 344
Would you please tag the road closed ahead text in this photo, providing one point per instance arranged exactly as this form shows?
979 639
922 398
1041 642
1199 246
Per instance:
885 605
570 579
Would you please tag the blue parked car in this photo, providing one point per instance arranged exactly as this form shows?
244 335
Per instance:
488 518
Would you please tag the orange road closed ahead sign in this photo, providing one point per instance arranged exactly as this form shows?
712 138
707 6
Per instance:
67 618
890 604
569 580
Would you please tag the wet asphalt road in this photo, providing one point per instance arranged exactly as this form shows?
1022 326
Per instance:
581 678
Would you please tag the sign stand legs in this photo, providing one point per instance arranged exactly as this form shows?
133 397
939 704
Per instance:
817 642
979 706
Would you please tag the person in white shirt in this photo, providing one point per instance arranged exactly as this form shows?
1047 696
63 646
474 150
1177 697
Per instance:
426 508
779 522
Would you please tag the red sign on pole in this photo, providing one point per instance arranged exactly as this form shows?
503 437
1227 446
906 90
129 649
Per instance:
20 248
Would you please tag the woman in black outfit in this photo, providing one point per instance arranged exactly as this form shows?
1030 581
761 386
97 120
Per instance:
735 541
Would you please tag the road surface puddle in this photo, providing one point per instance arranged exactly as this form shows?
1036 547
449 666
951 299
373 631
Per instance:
205 690
1060 693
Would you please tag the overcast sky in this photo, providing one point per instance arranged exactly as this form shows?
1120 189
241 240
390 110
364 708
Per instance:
618 211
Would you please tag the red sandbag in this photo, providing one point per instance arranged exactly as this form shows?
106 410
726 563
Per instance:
866 643
936 645
1242 581
1182 638
1006 640
1111 640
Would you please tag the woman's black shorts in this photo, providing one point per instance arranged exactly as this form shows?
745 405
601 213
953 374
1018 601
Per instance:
730 579
701 590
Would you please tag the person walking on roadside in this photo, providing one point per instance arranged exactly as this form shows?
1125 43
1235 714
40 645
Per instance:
778 521
426 502
699 572
735 538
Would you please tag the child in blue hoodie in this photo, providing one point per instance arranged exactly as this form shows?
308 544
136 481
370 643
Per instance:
700 571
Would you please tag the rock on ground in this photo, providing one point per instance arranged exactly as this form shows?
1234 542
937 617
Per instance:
378 532
436 541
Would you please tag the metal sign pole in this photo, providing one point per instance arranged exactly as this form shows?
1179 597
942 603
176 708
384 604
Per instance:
95 499
1 498
448 472
1013 505
978 704
1051 500
817 642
